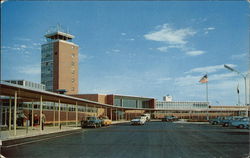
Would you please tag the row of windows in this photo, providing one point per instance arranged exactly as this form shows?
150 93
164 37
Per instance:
131 103
63 107
34 85
185 105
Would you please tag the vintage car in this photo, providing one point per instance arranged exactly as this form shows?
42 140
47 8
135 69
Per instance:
138 121
216 121
91 121
241 123
169 119
226 122
105 121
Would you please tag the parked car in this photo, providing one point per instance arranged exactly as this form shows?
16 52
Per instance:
147 116
91 121
216 120
105 121
169 118
226 122
241 123
138 121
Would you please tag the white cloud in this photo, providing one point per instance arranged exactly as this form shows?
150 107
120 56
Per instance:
82 57
209 69
195 53
30 70
37 44
220 77
131 39
208 29
211 28
163 49
170 35
239 56
123 34
162 80
116 50
23 46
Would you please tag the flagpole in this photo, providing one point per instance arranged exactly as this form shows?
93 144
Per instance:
207 91
204 79
238 92
207 96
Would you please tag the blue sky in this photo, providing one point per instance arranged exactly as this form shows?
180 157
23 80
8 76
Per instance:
136 48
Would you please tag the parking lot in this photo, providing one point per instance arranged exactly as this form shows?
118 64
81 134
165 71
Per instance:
153 140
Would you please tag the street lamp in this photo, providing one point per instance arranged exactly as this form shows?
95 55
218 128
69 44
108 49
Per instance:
245 79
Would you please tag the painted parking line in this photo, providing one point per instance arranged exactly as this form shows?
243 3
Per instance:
34 141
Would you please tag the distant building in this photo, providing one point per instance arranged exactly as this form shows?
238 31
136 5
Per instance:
120 100
59 63
178 105
27 84
167 98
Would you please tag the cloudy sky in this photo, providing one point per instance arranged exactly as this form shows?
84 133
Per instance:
136 48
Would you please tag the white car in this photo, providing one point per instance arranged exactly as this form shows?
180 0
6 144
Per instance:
147 116
138 121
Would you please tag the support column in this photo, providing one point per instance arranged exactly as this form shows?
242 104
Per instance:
10 114
15 105
32 115
76 114
116 115
126 116
54 114
5 116
67 114
106 111
111 114
41 110
59 114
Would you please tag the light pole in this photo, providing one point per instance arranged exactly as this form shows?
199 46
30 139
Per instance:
245 79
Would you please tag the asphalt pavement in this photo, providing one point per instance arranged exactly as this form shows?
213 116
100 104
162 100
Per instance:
152 140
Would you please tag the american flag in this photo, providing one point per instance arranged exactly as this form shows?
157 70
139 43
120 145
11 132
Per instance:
238 90
204 79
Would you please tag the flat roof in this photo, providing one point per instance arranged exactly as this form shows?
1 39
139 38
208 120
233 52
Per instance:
8 89
59 33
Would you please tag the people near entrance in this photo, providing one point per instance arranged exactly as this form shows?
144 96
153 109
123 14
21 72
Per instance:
36 120
43 120
21 118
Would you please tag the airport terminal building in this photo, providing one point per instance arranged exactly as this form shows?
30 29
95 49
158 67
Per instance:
57 95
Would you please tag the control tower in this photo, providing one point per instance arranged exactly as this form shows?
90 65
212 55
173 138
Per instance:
59 62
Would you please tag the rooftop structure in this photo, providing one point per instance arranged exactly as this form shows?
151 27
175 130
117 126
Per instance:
27 84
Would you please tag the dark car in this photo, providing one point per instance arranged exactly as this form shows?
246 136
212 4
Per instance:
226 122
169 118
216 120
91 121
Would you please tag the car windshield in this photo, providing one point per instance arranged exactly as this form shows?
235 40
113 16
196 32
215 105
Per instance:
91 118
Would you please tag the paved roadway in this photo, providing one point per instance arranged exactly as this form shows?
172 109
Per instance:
153 140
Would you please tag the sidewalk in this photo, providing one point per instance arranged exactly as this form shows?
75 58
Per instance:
23 133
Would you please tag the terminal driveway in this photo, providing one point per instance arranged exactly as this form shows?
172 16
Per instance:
153 140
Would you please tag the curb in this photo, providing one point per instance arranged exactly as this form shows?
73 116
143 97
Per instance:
27 139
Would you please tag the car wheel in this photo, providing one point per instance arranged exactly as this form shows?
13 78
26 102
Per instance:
215 123
241 126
